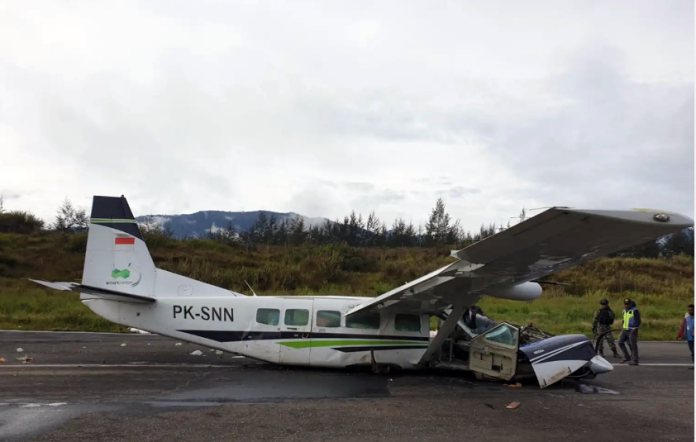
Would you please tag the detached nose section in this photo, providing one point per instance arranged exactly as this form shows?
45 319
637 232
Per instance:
600 365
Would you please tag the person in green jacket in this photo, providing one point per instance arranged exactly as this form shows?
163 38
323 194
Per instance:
602 322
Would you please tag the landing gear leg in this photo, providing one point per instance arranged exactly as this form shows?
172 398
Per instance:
376 368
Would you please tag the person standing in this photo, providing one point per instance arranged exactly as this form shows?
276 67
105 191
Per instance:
687 331
631 322
602 322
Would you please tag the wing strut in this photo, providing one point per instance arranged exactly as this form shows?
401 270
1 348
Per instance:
443 333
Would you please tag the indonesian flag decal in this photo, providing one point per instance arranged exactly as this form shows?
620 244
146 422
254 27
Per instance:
124 240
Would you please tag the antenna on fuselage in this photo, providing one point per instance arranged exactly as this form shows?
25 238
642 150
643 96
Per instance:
252 290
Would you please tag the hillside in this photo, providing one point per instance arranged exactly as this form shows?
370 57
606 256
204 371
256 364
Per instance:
662 288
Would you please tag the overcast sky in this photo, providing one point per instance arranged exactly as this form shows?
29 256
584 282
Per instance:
320 107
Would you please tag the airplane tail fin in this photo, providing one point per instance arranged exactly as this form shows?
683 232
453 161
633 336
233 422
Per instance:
117 258
118 265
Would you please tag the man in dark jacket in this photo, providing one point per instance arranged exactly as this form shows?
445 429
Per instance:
477 321
631 322
603 320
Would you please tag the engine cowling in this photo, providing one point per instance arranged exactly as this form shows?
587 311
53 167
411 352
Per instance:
527 291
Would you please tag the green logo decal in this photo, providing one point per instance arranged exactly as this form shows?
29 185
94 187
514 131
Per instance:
116 273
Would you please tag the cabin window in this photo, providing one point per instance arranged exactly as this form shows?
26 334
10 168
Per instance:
407 323
504 335
268 316
328 318
296 316
364 320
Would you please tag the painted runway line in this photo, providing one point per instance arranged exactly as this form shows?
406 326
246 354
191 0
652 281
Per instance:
656 364
116 365
161 365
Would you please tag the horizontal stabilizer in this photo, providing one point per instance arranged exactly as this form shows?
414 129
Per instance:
98 293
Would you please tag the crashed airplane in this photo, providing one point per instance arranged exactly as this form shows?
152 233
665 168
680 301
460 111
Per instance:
121 283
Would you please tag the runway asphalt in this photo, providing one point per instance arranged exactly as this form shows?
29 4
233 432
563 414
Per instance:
89 387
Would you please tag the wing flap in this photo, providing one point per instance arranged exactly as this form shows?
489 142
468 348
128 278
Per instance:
96 293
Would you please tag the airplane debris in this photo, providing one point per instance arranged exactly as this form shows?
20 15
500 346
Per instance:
123 345
513 405
137 330
19 350
196 353
218 352
178 343
25 359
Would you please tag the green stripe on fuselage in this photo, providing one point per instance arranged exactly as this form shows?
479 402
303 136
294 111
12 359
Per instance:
307 343
112 221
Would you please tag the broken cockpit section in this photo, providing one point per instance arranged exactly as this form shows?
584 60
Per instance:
506 351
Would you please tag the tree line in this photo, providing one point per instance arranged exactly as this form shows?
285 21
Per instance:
354 230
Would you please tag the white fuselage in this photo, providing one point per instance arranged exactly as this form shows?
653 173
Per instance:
292 330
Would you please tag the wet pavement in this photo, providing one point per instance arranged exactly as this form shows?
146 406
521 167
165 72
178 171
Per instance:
90 387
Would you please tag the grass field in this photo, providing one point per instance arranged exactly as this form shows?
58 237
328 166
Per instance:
661 288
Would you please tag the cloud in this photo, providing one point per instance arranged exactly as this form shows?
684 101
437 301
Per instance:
360 187
459 191
233 106
9 195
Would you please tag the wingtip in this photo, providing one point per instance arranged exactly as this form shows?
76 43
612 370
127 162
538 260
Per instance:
665 218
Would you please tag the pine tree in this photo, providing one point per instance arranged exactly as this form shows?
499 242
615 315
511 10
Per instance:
328 231
419 235
437 228
70 219
354 229
227 235
396 236
523 215
314 234
381 235
410 235
453 234
372 229
281 233
270 231
298 231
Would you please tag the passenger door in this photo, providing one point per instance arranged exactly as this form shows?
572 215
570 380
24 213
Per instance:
295 330
494 353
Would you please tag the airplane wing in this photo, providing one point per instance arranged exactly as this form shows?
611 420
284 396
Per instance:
553 240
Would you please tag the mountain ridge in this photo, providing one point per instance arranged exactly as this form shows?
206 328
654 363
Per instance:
198 224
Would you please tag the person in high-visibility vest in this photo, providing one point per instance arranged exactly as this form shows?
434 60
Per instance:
631 322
